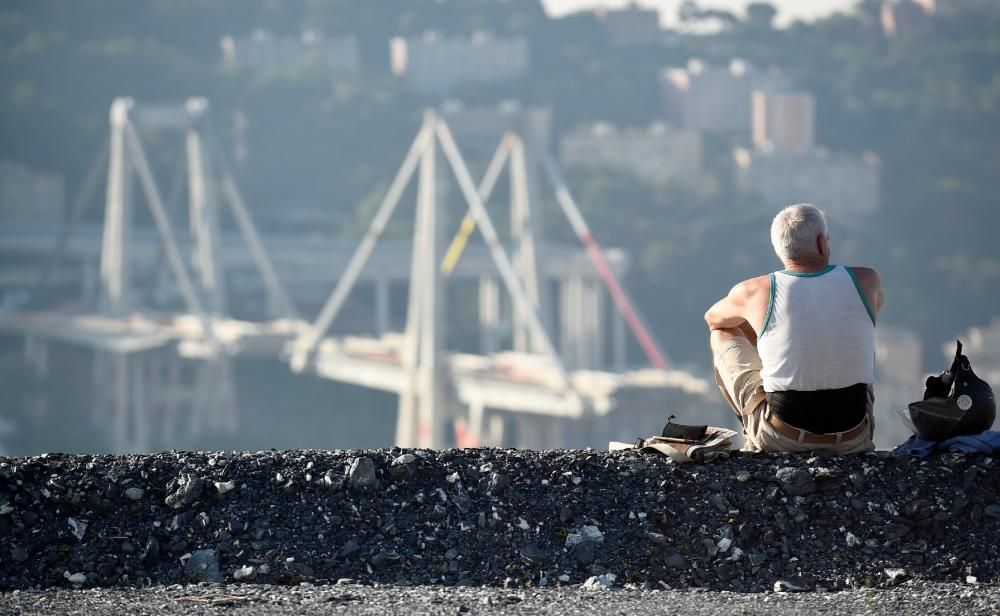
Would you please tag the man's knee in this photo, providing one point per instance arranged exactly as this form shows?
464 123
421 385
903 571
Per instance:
719 337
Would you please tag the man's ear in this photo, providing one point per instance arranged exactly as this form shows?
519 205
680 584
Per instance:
822 246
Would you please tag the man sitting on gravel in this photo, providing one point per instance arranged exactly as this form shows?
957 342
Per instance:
794 350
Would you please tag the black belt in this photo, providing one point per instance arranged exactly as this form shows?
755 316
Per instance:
826 411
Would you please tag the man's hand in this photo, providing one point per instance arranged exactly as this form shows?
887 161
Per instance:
749 332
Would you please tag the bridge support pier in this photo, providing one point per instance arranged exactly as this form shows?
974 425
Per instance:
383 303
489 314
153 399
581 316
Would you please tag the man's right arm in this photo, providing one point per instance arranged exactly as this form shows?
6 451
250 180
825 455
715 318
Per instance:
871 286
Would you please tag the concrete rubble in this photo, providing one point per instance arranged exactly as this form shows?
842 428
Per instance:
503 518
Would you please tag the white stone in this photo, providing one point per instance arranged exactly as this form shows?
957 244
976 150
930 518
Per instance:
79 527
75 578
587 533
894 574
225 486
600 582
243 573
134 493
852 540
5 509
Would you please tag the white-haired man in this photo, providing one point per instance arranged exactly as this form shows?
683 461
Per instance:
794 350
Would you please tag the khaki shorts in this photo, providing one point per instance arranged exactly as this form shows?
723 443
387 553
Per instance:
737 371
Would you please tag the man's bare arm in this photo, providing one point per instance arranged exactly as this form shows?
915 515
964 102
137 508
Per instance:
728 312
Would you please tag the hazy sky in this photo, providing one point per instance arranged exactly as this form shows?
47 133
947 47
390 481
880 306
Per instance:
788 10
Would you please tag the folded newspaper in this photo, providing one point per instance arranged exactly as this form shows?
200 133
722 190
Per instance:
714 443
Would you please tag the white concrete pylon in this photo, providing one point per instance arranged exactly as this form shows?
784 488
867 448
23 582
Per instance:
303 348
523 236
500 258
115 295
204 213
166 233
423 407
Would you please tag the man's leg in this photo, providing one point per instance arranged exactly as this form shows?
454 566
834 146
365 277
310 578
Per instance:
737 372
719 340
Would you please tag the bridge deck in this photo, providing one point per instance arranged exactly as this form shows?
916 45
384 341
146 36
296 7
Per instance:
514 382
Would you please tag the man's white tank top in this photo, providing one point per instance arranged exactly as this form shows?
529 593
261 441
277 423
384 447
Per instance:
819 332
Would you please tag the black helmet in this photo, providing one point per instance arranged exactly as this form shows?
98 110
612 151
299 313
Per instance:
955 403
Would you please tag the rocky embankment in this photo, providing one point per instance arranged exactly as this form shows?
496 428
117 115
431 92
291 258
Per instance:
498 517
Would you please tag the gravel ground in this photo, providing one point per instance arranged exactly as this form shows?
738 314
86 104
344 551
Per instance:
918 599
498 518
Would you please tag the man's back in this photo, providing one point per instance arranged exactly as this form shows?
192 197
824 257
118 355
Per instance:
819 333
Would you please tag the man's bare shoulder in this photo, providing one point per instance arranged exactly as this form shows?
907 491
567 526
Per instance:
867 275
753 286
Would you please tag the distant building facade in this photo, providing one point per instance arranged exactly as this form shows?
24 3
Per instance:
783 121
30 196
656 155
631 25
713 98
435 63
956 6
262 51
844 184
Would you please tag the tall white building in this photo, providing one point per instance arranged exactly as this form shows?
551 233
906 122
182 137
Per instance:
435 63
656 155
783 121
904 17
714 98
265 52
844 184
29 196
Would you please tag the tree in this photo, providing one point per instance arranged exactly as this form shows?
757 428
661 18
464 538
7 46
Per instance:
761 15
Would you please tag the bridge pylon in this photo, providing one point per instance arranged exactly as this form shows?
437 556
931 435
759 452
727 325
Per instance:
165 370
427 407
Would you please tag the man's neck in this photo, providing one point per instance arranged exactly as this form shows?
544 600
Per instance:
806 266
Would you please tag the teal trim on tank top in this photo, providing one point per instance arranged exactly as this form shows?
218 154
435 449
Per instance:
770 304
827 269
864 300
